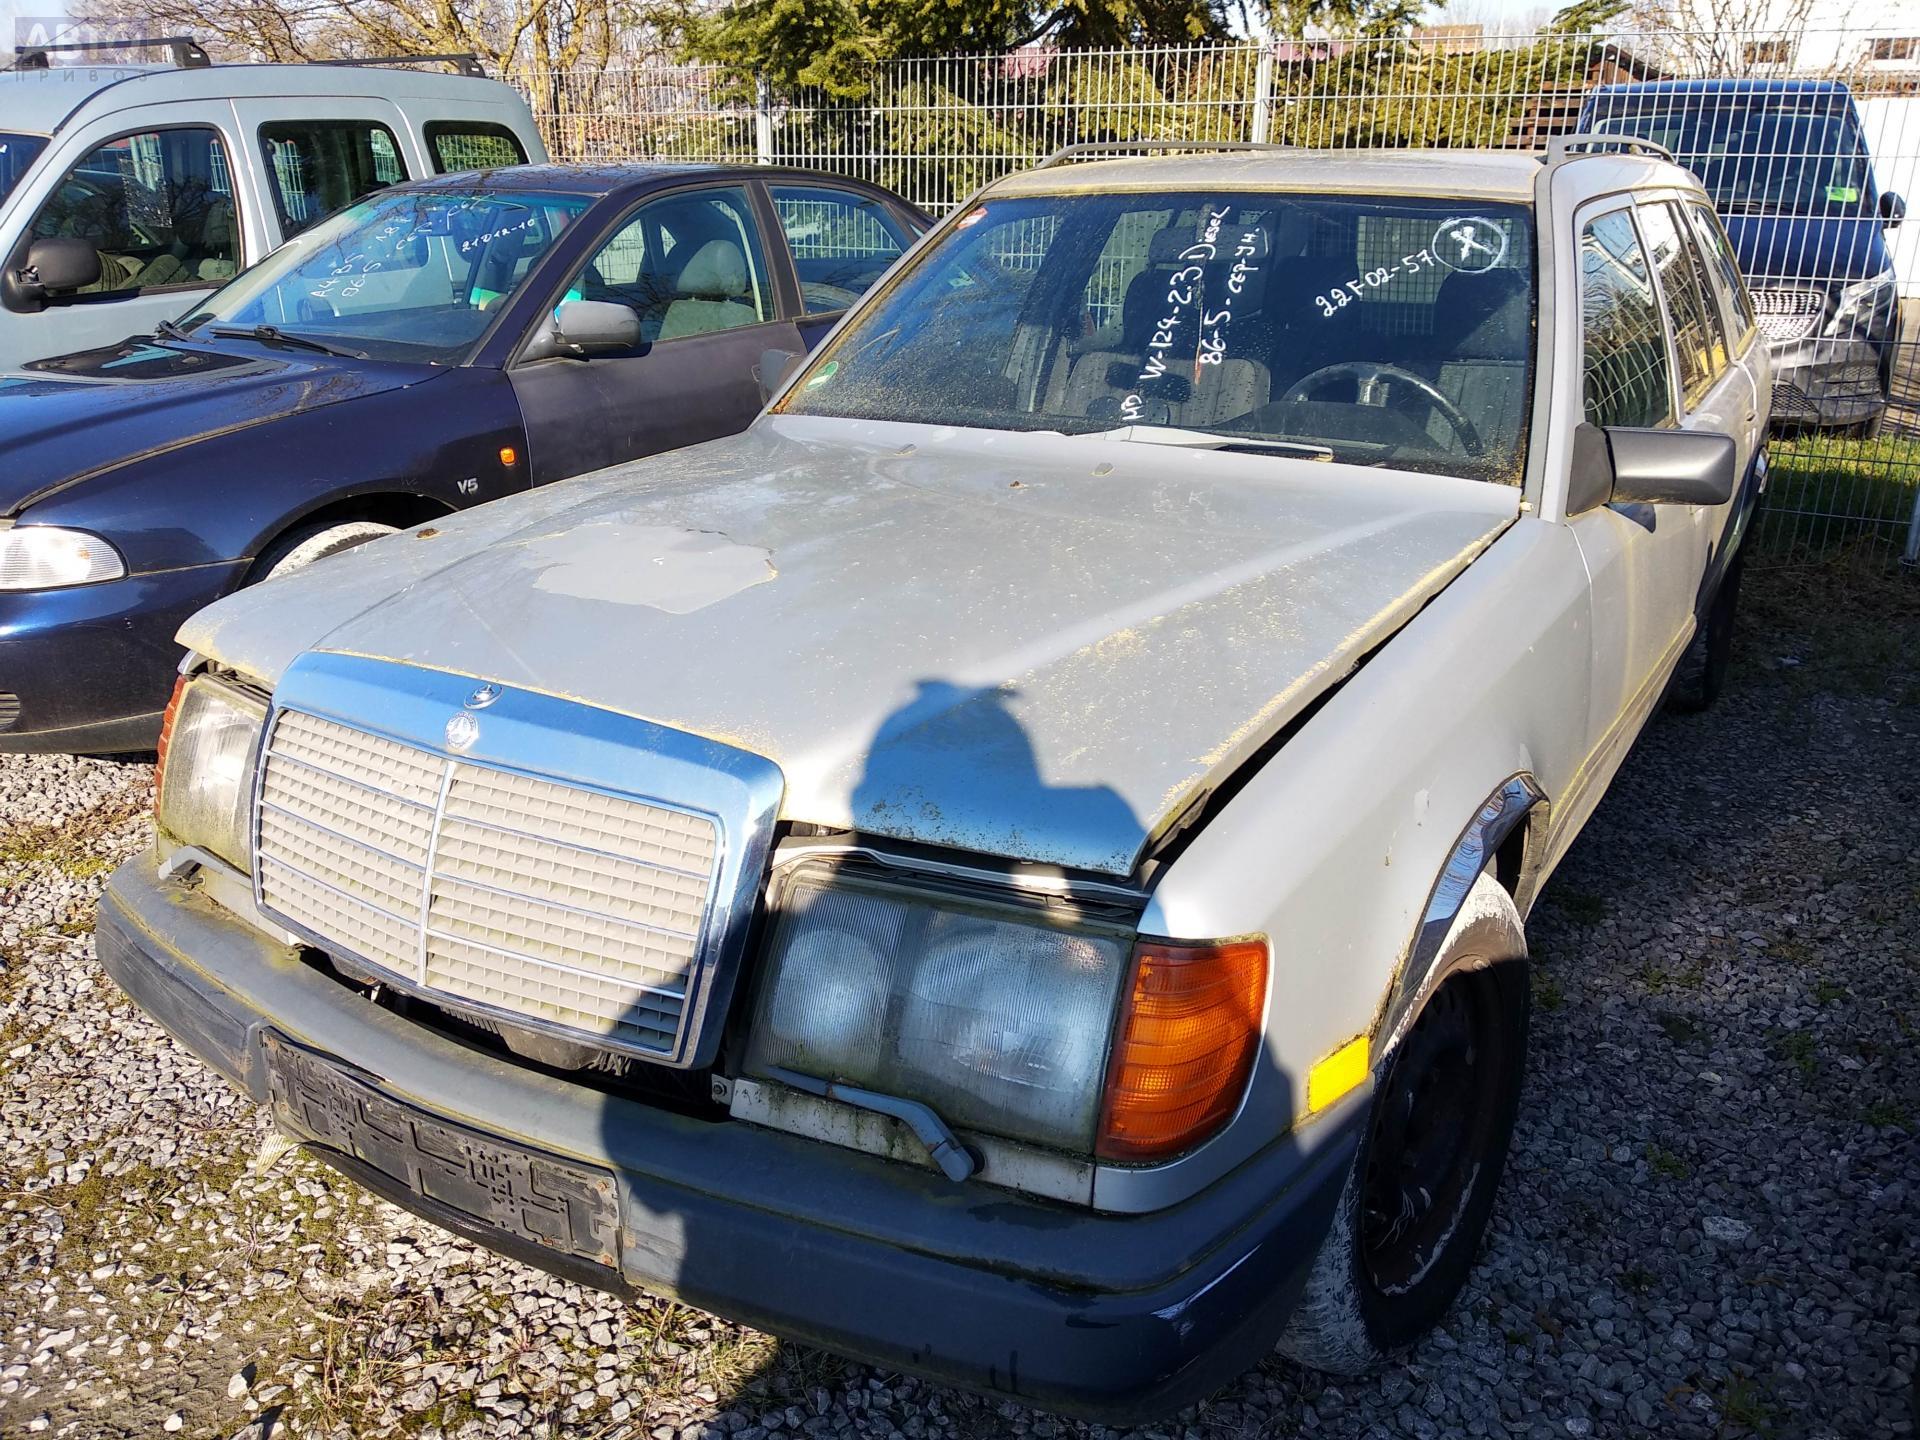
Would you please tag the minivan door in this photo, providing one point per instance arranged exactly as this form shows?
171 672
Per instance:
153 190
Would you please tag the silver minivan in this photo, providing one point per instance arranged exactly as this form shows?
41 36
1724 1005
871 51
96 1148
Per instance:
128 192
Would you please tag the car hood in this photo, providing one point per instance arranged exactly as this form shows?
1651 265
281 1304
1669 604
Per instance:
1030 646
1806 247
78 415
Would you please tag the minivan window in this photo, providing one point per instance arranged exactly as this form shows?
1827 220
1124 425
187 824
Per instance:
1623 348
158 206
1756 154
17 154
316 166
841 243
472 145
1725 271
1698 340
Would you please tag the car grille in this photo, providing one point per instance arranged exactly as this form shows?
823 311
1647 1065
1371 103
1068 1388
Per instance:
558 905
1788 313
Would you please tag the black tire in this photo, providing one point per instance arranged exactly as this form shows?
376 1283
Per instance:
1702 672
300 548
1422 1187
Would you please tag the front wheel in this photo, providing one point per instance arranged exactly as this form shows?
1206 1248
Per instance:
1421 1189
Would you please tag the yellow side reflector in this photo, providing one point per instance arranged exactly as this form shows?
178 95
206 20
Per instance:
1337 1074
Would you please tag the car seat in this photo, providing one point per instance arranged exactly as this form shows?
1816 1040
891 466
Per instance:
1480 326
712 291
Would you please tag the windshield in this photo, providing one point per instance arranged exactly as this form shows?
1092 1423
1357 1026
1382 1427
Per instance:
17 154
1754 158
1376 331
402 275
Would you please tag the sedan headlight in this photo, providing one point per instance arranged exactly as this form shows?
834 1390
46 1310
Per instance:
997 1017
49 557
1009 1020
209 748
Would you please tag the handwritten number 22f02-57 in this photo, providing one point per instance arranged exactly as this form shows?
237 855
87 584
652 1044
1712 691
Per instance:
1342 296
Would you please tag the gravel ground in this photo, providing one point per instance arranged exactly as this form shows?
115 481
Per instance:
1708 1227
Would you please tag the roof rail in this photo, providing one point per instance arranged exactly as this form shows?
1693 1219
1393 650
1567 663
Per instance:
1095 149
463 62
1562 148
181 49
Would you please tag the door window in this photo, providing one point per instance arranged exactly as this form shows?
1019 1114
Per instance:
159 208
1725 272
316 166
1623 349
687 264
841 243
472 145
1698 340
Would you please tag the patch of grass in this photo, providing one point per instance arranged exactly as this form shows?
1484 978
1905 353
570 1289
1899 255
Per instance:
1816 474
1679 1028
1798 1049
1792 951
1813 612
1665 1163
1746 1406
1580 907
1547 994
1886 1112
1825 992
1639 1279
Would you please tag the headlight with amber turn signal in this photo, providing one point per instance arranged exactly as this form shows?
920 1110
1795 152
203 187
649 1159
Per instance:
209 748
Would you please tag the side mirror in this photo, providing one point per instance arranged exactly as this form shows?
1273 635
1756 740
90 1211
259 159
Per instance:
53 264
773 370
1626 465
1892 210
582 328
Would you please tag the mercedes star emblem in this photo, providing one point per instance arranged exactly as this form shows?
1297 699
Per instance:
462 731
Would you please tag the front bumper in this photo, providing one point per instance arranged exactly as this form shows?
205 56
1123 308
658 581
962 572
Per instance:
87 670
1110 1317
1828 382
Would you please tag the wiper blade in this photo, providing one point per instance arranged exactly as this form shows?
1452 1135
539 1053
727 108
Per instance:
171 330
1209 440
274 335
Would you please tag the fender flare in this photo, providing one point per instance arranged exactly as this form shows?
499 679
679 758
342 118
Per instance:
1516 801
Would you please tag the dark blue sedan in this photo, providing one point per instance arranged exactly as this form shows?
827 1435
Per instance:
434 346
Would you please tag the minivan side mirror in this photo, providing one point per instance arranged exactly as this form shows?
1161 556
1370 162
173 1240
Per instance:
583 328
1627 465
1892 210
54 263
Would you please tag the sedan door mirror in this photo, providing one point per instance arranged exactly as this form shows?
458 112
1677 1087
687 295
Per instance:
1892 210
1626 465
584 328
54 264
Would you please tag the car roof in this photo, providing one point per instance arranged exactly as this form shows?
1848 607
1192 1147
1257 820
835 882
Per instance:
1810 89
39 101
1482 174
611 176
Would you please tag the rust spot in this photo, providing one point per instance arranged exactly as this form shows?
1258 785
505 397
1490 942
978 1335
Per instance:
428 533
1016 484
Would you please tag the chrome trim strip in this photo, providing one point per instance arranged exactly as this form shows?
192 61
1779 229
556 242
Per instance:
433 853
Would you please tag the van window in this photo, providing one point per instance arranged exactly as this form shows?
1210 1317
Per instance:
1698 339
17 154
316 166
472 145
1623 350
159 208
841 242
1725 272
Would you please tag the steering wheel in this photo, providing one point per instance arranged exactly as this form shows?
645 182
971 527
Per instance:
1366 372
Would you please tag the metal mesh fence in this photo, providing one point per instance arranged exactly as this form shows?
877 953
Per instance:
1804 139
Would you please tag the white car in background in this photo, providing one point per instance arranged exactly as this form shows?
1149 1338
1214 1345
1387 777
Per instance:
1014 867
129 192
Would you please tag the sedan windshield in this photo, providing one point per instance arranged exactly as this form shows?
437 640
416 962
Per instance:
17 154
1370 330
403 275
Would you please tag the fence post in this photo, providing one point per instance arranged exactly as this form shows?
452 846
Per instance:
762 120
1263 94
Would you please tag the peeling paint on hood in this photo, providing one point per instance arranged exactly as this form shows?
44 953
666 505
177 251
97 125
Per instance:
963 638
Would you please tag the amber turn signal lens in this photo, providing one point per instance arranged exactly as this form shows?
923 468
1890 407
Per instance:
1185 1048
508 455
166 734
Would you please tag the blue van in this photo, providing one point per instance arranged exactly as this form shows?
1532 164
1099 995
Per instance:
1788 170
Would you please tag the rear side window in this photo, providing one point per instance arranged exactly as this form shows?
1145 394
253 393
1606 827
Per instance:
158 206
472 145
841 242
1623 348
1725 271
316 166
1698 340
